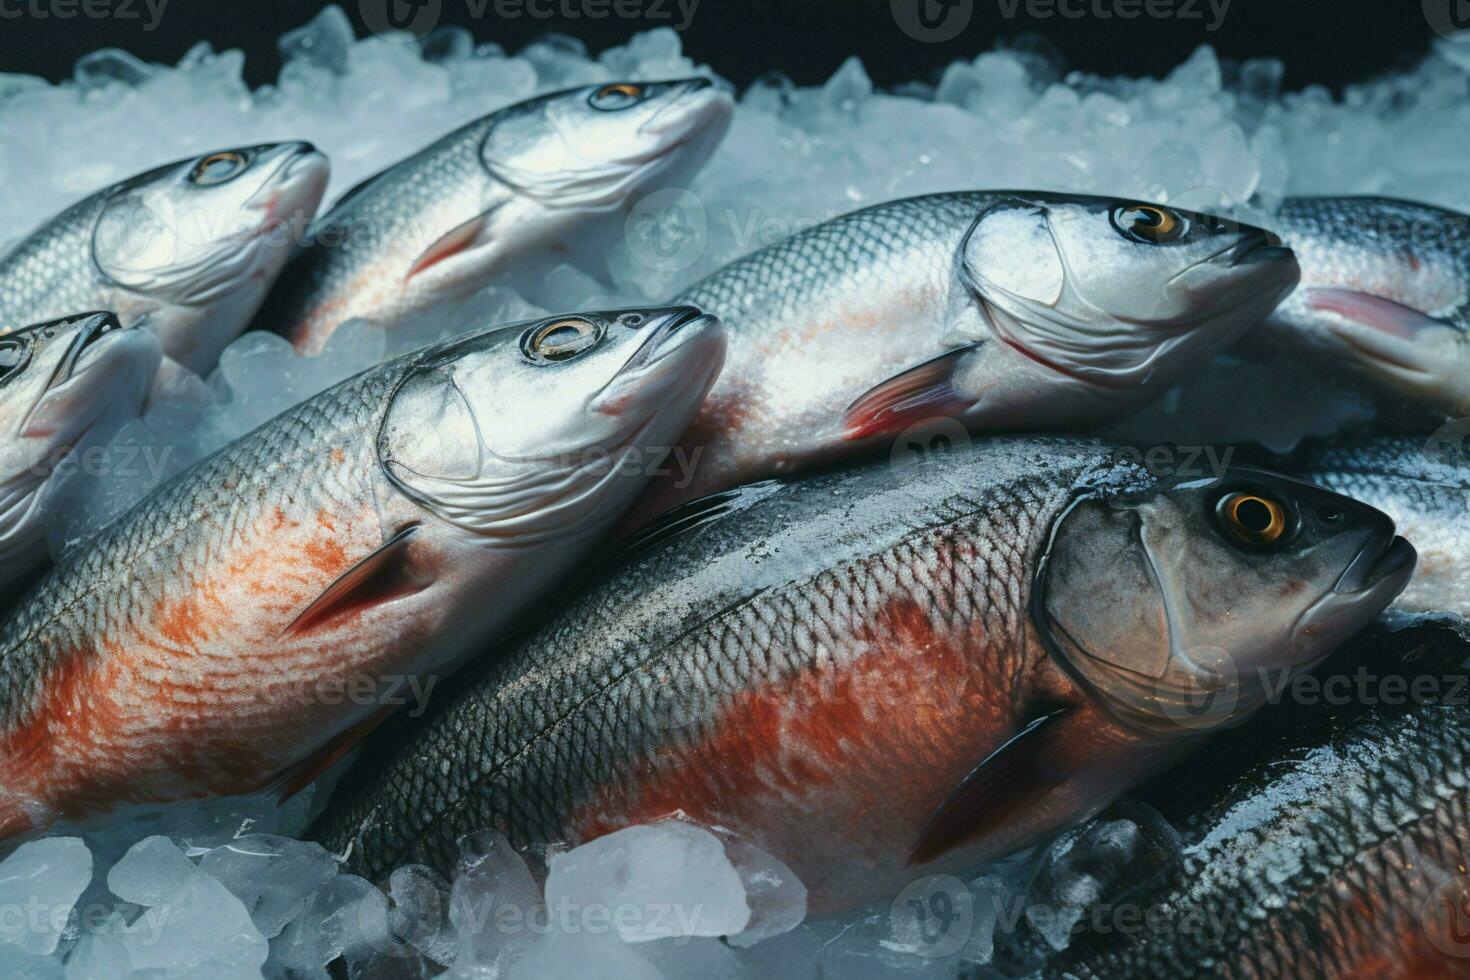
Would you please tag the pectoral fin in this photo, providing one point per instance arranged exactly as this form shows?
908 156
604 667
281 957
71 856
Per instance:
455 243
1383 315
922 392
996 791
380 577
308 770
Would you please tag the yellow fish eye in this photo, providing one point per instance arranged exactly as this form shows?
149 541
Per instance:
1253 519
560 340
617 95
218 168
1148 223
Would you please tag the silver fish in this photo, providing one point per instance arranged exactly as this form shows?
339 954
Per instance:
191 247
533 182
983 311
1425 487
884 672
251 617
61 383
1385 288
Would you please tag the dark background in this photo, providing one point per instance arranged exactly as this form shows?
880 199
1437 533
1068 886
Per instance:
1329 42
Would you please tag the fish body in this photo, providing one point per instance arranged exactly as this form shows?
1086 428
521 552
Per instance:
190 248
962 312
259 606
1428 496
1337 847
872 674
62 383
530 181
1385 288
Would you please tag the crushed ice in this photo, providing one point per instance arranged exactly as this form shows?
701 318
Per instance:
216 891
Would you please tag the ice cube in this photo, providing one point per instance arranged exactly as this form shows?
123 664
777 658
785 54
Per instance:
492 906
152 872
112 66
326 927
324 42
664 880
777 898
40 882
202 927
420 912
273 877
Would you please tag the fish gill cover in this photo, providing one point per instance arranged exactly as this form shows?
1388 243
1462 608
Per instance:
227 891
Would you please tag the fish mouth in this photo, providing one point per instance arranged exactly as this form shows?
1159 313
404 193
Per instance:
679 328
1384 562
296 186
1262 246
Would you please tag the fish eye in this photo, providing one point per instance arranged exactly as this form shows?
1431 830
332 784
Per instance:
632 319
1147 223
560 340
618 95
1252 518
217 168
14 354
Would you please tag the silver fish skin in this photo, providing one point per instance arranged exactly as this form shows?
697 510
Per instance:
208 641
62 383
190 247
821 667
1425 487
1341 852
1385 289
977 311
536 182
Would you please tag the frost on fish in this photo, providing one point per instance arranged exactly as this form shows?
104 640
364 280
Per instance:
1207 135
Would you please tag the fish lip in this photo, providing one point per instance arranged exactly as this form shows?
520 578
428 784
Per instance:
1382 560
1260 247
655 348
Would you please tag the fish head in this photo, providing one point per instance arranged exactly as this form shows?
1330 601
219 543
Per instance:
1115 293
64 379
597 146
1178 605
543 428
198 242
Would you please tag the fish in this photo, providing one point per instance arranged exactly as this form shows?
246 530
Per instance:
937 317
251 618
539 181
62 382
1385 290
190 248
1424 486
1335 847
882 672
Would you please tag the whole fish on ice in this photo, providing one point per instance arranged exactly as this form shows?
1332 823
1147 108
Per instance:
192 247
883 672
61 383
537 181
202 644
994 311
1385 288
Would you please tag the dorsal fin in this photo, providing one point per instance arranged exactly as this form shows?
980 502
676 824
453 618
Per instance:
694 514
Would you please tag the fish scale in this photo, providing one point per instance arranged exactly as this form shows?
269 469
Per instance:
527 747
53 268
